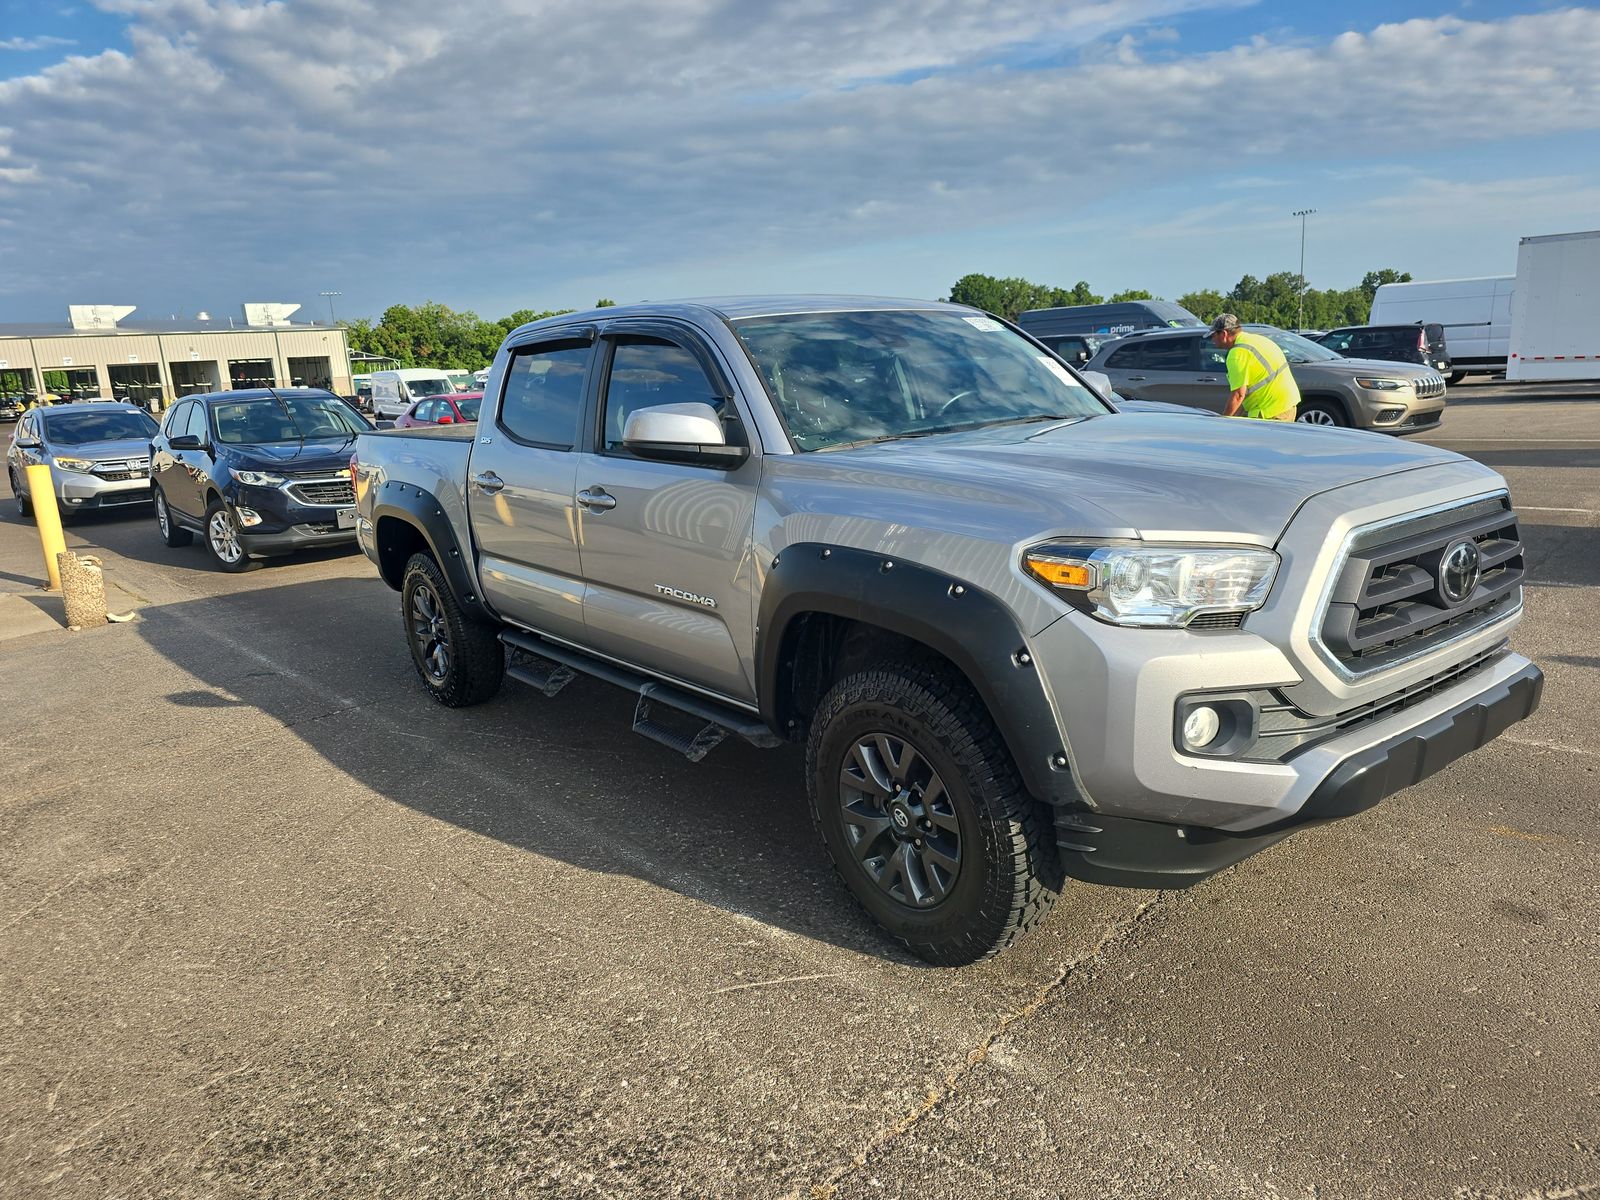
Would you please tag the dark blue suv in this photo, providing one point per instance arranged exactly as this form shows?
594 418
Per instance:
258 472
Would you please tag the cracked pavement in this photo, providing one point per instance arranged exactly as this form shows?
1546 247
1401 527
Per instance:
273 924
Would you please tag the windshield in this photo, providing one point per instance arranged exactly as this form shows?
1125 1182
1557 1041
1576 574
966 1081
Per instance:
284 419
469 407
80 428
429 387
838 379
1295 348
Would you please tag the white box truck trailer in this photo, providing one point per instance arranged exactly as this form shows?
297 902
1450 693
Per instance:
1555 323
1475 313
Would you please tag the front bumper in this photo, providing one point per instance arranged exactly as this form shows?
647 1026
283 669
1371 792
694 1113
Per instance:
283 523
77 491
1341 780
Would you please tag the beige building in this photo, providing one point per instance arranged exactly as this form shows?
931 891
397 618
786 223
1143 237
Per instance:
100 353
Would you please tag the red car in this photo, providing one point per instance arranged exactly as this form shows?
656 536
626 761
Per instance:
458 408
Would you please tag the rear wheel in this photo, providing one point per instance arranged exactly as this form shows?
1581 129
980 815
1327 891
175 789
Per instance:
1456 377
171 534
919 803
459 661
24 505
1321 412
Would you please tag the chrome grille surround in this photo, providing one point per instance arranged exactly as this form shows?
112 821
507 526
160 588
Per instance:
325 491
1360 574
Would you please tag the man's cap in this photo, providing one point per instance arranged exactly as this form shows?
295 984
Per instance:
1226 323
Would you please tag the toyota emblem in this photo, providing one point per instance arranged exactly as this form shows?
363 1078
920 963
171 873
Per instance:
1458 572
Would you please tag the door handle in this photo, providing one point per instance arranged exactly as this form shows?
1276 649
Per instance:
1134 377
1207 379
597 499
489 483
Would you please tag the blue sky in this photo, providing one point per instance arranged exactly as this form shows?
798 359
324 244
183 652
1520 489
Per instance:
495 155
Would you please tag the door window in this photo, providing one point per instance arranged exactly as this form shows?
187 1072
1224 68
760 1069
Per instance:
1212 360
428 410
646 372
1169 354
177 420
543 394
1339 342
196 426
1127 358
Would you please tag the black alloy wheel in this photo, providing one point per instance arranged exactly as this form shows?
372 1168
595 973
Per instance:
919 803
899 820
459 660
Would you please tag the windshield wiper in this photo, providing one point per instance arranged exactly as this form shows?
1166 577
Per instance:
955 428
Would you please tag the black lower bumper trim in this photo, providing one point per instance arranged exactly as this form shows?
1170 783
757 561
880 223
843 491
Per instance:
1128 852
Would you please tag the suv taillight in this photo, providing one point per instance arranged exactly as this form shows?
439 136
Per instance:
1422 340
352 471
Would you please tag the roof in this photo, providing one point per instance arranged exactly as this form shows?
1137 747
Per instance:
254 394
84 405
734 308
152 328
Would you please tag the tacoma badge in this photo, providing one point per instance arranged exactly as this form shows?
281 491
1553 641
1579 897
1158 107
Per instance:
690 597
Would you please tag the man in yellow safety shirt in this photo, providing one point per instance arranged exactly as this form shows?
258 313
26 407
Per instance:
1260 383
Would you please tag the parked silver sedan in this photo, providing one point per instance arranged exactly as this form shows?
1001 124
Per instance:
98 455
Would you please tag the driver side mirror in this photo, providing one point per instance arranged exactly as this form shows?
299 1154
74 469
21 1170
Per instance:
185 441
682 433
447 421
25 443
1100 382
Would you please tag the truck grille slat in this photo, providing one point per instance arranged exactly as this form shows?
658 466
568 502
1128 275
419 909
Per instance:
1393 597
327 492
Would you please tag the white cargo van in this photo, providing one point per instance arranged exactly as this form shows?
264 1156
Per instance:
394 391
1475 313
1555 331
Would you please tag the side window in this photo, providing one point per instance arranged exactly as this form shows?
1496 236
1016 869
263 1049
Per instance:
1367 341
543 394
177 417
428 410
196 426
646 372
1339 342
1212 360
1128 356
1170 354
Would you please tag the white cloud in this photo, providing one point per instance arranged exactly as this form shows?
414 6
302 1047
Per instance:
45 42
401 149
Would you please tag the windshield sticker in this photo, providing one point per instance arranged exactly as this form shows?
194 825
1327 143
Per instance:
1060 372
986 324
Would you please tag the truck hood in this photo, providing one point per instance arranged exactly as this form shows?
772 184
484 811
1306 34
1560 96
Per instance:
1350 368
1122 475
314 454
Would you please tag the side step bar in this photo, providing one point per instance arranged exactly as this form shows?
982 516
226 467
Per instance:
558 664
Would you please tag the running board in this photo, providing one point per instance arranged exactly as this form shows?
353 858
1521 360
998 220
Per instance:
559 662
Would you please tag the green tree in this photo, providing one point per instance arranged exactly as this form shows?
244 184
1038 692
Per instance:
605 303
1372 280
1204 304
1008 297
1131 294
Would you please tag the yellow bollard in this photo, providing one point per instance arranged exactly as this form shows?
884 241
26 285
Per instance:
42 495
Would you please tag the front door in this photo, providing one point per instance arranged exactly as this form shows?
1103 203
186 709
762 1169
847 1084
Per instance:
666 546
520 489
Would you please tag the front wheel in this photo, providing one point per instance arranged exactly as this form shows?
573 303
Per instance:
222 539
459 661
1321 412
919 803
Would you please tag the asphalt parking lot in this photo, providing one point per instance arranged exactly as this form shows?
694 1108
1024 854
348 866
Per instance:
273 924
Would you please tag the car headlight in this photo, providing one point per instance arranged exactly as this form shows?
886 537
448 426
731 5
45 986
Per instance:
1382 385
256 478
67 463
1159 586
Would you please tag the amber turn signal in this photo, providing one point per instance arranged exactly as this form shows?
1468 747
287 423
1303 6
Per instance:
1058 572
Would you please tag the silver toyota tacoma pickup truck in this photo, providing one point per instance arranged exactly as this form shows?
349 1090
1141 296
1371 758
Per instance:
1022 636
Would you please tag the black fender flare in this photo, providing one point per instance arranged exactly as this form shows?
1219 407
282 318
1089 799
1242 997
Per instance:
420 510
965 624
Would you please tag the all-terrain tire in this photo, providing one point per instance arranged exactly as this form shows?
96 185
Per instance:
1009 874
460 661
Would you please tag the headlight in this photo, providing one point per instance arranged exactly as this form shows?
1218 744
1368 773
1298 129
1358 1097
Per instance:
1162 586
256 478
74 464
1383 385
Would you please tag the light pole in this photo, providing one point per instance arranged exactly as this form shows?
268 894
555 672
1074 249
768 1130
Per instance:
1300 311
332 320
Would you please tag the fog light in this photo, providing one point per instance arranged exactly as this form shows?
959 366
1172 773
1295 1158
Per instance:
247 516
1389 414
1201 726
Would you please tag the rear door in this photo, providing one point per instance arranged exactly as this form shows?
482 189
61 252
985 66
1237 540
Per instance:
520 486
1174 373
666 546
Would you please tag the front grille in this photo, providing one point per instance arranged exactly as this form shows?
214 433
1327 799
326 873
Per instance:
1284 729
1420 420
321 526
114 471
131 496
325 491
1391 600
1430 386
